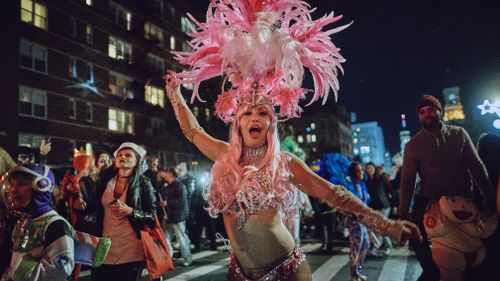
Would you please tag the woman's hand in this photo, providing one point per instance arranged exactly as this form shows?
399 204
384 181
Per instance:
171 81
122 210
410 231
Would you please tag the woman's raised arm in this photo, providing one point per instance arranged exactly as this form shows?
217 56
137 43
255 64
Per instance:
209 146
340 198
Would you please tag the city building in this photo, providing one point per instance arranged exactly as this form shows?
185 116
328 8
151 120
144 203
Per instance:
368 140
88 71
404 134
453 109
325 130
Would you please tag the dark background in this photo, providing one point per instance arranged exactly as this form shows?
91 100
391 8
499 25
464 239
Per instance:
399 50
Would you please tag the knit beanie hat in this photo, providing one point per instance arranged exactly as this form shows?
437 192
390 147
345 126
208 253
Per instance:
428 100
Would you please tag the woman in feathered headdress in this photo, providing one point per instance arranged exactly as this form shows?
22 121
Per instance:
262 47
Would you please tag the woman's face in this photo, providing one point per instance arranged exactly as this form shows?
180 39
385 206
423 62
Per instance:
103 161
254 125
20 190
126 159
358 171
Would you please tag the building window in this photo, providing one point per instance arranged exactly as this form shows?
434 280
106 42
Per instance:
153 32
155 64
72 24
120 85
185 25
154 95
33 56
72 67
313 138
90 72
208 115
157 126
88 2
120 121
312 126
172 42
89 34
308 138
29 140
32 102
300 139
122 17
119 50
89 112
186 47
72 108
34 13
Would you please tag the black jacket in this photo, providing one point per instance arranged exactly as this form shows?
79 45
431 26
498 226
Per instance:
177 202
140 197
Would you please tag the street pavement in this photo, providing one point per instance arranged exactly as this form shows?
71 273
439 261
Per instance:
400 265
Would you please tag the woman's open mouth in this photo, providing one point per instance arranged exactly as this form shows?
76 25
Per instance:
462 215
255 131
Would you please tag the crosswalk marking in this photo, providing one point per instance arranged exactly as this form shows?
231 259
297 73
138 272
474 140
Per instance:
395 267
328 270
398 266
200 271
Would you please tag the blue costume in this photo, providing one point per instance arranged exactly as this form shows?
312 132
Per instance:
359 241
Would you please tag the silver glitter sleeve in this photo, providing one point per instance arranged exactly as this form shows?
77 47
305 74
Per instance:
343 200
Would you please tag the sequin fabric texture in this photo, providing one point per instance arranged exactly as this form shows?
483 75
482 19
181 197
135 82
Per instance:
279 273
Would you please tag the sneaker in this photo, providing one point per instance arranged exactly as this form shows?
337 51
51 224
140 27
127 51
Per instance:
186 264
363 277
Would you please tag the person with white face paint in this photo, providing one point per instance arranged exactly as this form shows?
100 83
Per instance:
125 204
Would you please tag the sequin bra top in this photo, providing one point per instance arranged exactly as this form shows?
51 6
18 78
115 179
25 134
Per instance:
257 192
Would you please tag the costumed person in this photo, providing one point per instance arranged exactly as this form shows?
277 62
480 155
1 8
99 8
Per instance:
103 161
456 229
359 242
126 203
6 220
262 47
43 247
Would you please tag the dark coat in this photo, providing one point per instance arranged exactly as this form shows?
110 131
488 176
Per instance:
177 202
140 197
379 191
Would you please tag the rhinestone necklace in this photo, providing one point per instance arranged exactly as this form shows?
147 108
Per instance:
252 156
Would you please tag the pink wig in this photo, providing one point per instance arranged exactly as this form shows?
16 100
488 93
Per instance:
229 174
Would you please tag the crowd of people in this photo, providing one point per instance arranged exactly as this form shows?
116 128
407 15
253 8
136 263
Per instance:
262 49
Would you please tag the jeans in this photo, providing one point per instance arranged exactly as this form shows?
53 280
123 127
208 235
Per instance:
179 230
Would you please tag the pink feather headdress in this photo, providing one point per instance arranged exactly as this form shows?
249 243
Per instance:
262 47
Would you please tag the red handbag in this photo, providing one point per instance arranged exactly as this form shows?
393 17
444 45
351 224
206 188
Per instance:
158 257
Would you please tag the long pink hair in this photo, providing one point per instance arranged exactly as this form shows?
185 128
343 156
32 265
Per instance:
228 174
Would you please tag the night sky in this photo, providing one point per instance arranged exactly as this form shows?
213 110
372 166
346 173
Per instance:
397 51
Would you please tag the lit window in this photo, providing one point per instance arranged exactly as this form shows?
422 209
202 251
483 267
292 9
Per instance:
122 17
308 138
300 139
90 72
186 47
208 116
364 149
89 34
120 85
172 42
33 56
88 2
155 64
72 108
153 32
119 50
72 67
120 121
154 95
32 102
185 25
313 138
34 13
29 140
89 112
313 126
355 140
